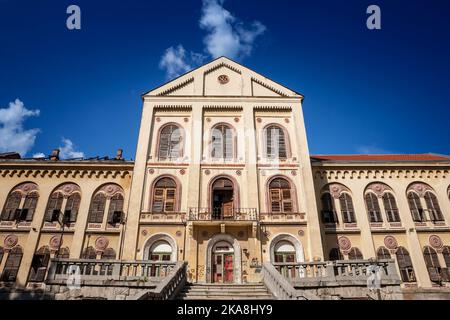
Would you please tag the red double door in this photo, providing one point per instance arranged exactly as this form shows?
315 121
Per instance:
223 266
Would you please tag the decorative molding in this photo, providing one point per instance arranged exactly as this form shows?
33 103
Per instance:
436 241
176 87
67 173
222 108
378 188
420 188
10 241
55 243
221 65
344 243
101 243
377 174
390 242
173 107
271 88
270 108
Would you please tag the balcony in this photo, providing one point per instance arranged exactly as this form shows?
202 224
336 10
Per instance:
218 214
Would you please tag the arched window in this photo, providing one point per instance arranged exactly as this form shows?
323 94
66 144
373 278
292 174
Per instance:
54 207
280 196
109 254
63 253
433 207
115 209
373 207
97 208
222 142
89 253
275 143
39 265
11 206
1 254
328 210
415 207
405 265
12 265
160 251
347 210
390 206
284 252
383 253
335 254
170 143
164 195
432 263
355 254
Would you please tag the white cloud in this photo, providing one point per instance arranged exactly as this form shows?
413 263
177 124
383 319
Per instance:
226 36
39 155
67 151
13 136
372 149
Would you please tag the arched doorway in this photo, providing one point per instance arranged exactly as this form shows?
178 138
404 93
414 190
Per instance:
284 253
223 263
222 201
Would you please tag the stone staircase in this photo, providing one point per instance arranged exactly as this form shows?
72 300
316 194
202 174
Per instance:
209 291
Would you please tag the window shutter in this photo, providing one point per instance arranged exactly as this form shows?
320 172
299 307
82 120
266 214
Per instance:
97 208
373 207
12 265
165 141
282 154
347 208
12 204
415 207
54 203
275 143
115 204
390 205
228 153
73 204
287 201
170 200
383 253
217 143
275 199
30 204
433 207
158 200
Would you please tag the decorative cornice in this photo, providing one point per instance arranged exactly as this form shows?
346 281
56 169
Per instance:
222 108
272 108
172 107
333 174
176 87
265 85
220 65
64 173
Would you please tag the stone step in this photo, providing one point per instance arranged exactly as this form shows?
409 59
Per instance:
208 291
224 298
200 293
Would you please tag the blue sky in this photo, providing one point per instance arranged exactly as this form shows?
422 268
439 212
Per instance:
381 91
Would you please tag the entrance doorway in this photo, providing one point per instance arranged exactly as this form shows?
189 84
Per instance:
223 263
222 199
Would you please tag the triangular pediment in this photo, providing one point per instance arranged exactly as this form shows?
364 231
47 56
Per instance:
222 77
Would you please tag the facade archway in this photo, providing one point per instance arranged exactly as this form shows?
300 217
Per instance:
234 249
283 238
223 197
159 241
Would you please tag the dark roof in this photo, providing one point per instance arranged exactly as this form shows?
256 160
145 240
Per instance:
381 157
9 155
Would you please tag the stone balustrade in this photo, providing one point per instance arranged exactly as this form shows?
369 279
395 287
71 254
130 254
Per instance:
212 214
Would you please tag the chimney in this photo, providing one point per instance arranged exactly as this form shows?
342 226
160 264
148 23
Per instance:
55 155
119 154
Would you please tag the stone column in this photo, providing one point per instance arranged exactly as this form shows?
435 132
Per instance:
307 186
137 183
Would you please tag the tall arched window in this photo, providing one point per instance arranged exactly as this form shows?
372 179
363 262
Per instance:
284 252
97 208
275 143
405 265
12 265
170 140
347 210
433 207
335 254
383 253
222 142
29 206
1 254
373 208
39 265
446 254
355 254
54 206
280 196
328 210
390 207
115 209
164 195
11 206
415 207
432 263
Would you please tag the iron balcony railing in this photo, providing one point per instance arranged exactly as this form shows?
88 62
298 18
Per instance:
219 214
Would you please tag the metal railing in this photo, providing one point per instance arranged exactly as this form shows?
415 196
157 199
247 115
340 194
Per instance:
212 214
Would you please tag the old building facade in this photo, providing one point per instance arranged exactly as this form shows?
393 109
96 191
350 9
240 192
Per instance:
223 179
